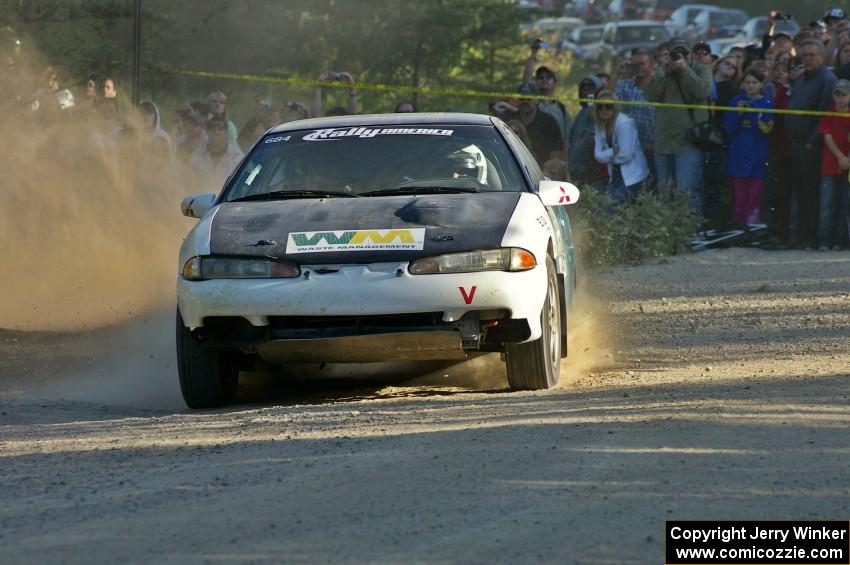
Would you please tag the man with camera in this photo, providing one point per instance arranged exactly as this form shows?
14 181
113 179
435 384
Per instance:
777 33
334 76
832 18
545 82
676 81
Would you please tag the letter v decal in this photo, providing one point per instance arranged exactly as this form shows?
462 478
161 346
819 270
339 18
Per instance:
467 297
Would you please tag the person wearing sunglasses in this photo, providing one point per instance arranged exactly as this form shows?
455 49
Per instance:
617 146
218 157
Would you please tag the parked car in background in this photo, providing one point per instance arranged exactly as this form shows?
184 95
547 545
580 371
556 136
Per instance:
755 28
619 38
681 21
719 23
554 30
626 9
660 10
585 43
529 5
591 11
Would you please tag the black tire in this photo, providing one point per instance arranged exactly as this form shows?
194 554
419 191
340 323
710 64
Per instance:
208 377
536 365
562 296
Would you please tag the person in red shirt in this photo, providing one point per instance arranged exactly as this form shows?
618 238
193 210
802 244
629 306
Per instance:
835 167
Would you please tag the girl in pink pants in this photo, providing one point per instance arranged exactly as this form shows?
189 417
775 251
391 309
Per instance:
747 131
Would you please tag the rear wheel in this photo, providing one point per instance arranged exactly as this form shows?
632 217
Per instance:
208 377
536 365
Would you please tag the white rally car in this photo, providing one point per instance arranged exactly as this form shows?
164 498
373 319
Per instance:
377 238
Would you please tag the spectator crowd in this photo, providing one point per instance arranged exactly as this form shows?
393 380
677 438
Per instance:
738 167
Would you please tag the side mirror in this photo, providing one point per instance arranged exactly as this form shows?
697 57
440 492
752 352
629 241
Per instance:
557 193
197 205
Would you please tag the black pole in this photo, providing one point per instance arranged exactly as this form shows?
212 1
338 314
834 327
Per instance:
137 50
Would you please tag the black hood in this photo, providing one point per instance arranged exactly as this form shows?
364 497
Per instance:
451 223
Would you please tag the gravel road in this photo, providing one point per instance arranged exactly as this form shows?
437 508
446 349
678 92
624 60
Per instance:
707 386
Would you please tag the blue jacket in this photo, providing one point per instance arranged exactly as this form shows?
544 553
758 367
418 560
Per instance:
747 133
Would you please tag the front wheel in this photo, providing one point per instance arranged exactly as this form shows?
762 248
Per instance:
536 365
208 377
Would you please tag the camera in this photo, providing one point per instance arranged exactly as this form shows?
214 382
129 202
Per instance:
676 56
539 44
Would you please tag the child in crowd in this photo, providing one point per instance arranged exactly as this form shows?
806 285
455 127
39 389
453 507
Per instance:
747 132
835 166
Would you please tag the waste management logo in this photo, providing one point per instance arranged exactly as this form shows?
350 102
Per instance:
356 240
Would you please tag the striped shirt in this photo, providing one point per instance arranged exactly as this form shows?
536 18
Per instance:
644 116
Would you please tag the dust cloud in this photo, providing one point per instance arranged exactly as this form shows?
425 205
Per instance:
136 367
590 339
91 229
90 224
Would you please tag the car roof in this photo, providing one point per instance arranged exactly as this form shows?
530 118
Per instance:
638 23
395 119
719 9
763 19
684 7
560 20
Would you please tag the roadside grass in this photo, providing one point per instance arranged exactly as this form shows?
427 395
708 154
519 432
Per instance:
648 226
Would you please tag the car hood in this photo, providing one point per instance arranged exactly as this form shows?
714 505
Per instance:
362 230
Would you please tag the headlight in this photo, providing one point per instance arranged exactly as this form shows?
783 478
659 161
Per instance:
201 268
505 259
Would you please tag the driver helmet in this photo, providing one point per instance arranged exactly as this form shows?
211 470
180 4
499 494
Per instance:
463 167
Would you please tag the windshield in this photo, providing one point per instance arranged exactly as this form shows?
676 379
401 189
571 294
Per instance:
642 34
353 161
728 18
692 14
558 28
587 36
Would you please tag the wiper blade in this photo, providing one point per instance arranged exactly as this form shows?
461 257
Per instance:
419 190
286 194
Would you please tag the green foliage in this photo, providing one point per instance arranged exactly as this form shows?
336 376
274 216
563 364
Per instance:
457 44
647 226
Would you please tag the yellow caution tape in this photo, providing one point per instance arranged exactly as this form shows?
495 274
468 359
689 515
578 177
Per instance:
489 94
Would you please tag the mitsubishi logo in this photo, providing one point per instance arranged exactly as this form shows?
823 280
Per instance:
564 196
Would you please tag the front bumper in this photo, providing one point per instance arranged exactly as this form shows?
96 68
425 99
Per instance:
364 290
